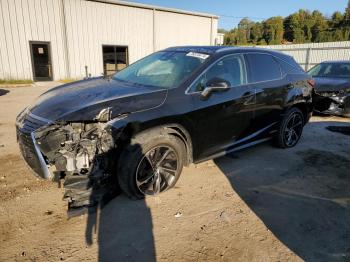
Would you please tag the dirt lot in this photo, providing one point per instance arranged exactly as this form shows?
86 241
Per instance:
262 204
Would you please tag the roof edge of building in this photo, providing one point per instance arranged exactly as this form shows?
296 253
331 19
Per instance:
153 7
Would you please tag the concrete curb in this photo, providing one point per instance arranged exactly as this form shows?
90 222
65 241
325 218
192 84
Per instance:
15 85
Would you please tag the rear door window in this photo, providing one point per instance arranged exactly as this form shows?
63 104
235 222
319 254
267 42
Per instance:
262 67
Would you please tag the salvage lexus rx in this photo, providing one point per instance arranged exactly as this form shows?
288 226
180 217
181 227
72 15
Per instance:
178 106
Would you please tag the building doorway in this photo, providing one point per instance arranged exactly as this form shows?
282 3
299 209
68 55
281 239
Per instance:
115 58
41 61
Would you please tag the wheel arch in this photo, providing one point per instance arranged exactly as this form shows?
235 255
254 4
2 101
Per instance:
174 129
182 133
304 108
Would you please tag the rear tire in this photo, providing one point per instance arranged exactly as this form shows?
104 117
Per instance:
150 164
291 128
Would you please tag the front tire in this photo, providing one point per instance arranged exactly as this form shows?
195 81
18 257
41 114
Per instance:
150 164
291 128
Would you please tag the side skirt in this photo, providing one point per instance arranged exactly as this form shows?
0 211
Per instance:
223 153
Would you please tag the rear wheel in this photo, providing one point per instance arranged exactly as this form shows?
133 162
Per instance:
290 129
151 164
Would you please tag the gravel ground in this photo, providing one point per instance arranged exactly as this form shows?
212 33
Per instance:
261 204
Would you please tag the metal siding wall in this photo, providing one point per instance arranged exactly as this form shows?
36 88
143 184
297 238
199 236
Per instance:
21 31
29 20
12 68
4 63
57 44
16 37
172 29
214 30
332 51
91 25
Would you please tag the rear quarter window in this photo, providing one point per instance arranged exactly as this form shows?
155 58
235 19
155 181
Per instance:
262 67
290 67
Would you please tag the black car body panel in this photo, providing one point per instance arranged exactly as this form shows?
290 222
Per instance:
83 100
101 115
332 93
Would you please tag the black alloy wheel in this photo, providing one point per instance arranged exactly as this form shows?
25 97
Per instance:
291 128
156 172
151 164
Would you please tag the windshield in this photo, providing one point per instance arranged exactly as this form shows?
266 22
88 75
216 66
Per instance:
331 70
162 69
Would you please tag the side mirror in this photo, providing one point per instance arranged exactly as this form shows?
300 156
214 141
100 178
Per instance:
215 85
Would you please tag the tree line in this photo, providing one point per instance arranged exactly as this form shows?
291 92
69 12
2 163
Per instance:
301 27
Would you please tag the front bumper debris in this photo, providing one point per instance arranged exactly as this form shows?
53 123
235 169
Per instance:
332 103
81 154
25 129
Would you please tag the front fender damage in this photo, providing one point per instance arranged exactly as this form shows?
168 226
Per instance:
82 156
332 103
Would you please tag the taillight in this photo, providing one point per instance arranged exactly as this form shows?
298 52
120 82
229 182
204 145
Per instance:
312 82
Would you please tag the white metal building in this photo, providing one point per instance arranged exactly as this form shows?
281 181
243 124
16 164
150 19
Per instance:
60 39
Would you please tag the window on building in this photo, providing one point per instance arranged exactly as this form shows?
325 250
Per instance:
115 58
263 68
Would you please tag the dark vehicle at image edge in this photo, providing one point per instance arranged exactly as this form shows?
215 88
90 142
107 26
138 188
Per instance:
332 88
178 106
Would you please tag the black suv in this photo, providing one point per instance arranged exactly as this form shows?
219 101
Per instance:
178 106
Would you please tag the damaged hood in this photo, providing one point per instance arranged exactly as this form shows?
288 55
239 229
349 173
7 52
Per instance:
83 100
327 84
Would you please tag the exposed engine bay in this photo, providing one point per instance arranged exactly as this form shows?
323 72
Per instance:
81 154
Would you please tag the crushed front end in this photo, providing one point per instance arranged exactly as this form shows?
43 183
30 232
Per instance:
80 154
332 102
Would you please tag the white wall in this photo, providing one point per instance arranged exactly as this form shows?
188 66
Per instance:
220 38
318 52
91 25
22 21
77 29
172 29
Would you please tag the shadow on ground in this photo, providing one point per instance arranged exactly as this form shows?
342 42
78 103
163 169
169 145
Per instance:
307 207
3 92
302 195
124 231
123 227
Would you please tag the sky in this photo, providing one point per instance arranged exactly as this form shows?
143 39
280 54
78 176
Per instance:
231 12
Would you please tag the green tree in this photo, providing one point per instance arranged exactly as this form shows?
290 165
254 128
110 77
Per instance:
300 27
320 28
256 33
273 30
346 22
243 33
347 13
222 31
293 26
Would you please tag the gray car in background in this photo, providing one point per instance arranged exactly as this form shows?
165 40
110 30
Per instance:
332 88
